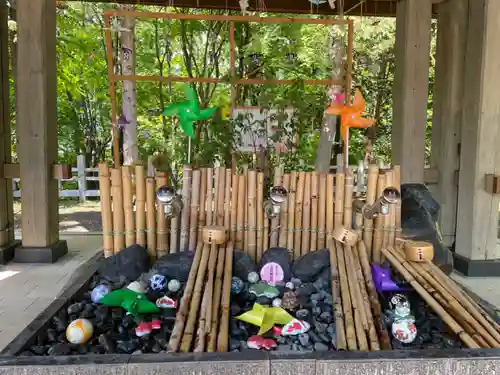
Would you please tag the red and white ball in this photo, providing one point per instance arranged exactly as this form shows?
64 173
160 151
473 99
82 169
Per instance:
79 331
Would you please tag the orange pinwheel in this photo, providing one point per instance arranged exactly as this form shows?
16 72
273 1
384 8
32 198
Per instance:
350 115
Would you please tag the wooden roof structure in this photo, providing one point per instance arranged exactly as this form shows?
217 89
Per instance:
382 8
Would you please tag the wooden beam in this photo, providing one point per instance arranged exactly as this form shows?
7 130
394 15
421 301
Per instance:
59 171
36 116
411 84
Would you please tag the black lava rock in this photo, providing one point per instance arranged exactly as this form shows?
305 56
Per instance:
305 290
174 265
242 265
320 347
280 256
309 266
59 349
75 308
126 266
108 344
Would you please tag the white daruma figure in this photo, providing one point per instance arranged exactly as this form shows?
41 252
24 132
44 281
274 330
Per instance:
79 331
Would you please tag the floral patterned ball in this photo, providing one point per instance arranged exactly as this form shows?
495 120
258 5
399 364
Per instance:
158 282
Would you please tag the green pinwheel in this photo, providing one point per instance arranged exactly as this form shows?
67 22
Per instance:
135 303
189 111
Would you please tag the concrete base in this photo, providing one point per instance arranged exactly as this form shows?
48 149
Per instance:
7 252
476 268
49 254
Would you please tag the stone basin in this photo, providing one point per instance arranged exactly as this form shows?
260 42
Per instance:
414 362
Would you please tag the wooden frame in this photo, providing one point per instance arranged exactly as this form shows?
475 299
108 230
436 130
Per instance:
113 78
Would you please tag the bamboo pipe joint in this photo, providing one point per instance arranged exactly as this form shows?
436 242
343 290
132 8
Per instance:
214 235
345 236
389 196
419 251
172 202
272 206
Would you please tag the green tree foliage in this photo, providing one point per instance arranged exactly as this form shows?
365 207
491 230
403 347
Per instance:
201 49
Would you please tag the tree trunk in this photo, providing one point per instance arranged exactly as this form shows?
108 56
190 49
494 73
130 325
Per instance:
129 108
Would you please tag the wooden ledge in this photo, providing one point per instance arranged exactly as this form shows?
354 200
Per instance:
59 171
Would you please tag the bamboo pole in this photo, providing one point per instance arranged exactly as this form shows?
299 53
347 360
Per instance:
370 200
201 332
472 306
202 201
348 188
221 190
240 227
447 300
377 231
346 298
234 210
128 207
378 316
434 305
187 175
161 220
185 303
227 201
252 214
341 343
386 226
397 210
245 210
322 239
306 215
224 18
151 218
195 206
339 201
223 339
314 212
140 204
360 321
299 205
106 212
118 214
209 194
291 213
283 229
194 306
216 301
205 315
261 232
372 332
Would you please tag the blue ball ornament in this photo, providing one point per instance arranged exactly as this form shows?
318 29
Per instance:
98 292
158 282
237 285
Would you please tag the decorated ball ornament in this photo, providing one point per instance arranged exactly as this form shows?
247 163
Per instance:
237 285
253 277
157 282
98 292
404 331
79 331
174 285
277 302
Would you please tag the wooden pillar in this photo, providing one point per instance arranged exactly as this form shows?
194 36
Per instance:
37 131
447 111
7 243
477 250
411 82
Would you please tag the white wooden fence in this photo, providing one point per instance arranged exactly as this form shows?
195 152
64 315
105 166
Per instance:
80 178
